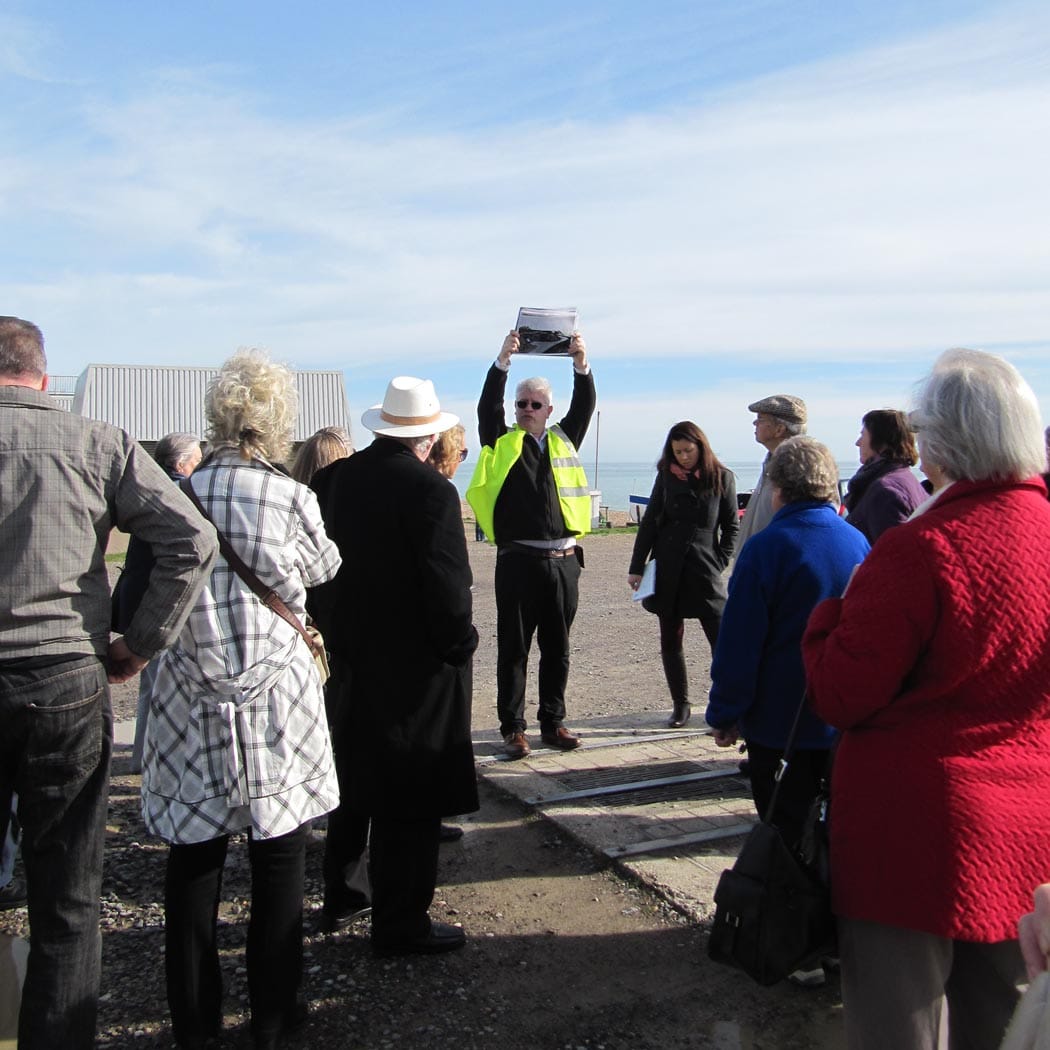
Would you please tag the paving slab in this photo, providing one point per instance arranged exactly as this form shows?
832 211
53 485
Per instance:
684 874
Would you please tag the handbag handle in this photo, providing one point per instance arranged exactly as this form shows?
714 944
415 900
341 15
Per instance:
267 595
785 760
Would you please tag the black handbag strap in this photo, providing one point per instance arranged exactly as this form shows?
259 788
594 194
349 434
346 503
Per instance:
785 760
267 595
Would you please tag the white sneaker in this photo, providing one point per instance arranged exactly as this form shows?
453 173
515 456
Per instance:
808 978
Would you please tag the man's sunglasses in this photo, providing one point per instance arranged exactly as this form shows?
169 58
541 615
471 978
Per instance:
534 405
462 454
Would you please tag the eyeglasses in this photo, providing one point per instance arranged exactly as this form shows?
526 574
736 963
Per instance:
462 454
534 405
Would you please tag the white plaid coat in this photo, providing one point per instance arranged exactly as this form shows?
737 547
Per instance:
237 736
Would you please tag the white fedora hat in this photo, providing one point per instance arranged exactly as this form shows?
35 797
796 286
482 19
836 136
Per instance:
410 409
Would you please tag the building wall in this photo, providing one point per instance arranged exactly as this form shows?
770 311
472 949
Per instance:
149 401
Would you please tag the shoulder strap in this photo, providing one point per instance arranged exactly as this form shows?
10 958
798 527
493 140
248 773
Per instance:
785 761
267 595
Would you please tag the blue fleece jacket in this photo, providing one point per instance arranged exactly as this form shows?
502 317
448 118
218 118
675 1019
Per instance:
804 555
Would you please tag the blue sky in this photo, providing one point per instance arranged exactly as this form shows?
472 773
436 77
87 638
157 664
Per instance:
741 198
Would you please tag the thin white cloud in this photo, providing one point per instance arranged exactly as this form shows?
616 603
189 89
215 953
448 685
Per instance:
22 44
850 210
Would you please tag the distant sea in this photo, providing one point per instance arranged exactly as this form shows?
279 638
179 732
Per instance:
618 481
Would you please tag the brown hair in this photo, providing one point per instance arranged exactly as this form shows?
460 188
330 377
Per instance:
890 435
21 349
708 464
323 448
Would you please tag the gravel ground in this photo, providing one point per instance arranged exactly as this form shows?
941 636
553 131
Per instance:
562 952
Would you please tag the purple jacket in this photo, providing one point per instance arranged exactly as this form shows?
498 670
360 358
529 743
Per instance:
883 493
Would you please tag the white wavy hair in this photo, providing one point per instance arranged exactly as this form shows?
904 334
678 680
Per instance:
977 419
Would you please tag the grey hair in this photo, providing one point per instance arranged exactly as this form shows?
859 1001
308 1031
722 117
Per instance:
793 429
21 349
418 443
803 469
977 419
172 449
536 385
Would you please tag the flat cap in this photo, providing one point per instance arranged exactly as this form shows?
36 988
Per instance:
787 407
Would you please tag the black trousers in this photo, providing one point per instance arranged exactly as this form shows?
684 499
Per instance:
347 886
798 788
534 595
275 933
404 874
386 862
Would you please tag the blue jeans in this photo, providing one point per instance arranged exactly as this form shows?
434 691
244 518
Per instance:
56 733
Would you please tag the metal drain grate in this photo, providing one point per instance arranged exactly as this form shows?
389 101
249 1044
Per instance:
652 783
730 787
579 780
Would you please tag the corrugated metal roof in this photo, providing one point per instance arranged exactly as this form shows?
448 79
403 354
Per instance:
149 401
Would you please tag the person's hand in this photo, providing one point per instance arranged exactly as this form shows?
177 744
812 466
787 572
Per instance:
726 737
633 581
511 345
578 352
122 663
1033 931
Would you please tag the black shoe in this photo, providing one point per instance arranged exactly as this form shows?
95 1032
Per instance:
450 833
333 919
272 1038
13 895
441 938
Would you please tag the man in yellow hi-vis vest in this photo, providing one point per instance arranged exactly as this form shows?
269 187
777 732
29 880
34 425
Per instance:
531 496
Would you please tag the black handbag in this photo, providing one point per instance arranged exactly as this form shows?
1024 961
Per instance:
773 908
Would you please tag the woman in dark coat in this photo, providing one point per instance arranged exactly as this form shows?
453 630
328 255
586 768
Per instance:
884 492
689 528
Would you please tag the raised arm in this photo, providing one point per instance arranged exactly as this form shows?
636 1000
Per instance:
492 423
584 398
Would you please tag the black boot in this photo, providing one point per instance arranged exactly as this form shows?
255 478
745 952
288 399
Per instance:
680 716
678 684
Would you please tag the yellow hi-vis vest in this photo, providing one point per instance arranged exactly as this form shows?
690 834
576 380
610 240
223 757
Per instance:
494 465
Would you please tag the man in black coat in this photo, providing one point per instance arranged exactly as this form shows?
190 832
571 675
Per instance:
397 620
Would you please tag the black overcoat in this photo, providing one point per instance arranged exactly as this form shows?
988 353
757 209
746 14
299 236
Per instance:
690 532
397 620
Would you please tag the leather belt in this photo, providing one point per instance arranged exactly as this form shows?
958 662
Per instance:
536 552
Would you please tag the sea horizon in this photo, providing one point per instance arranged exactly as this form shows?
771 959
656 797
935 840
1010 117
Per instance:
617 481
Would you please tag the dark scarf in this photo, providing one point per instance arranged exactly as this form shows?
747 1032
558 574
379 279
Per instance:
876 467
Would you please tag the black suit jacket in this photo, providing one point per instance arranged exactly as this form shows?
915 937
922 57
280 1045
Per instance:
397 619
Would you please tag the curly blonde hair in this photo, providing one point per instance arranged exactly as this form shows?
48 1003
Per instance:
252 406
444 456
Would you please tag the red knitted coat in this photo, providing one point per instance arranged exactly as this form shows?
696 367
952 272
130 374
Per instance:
936 666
